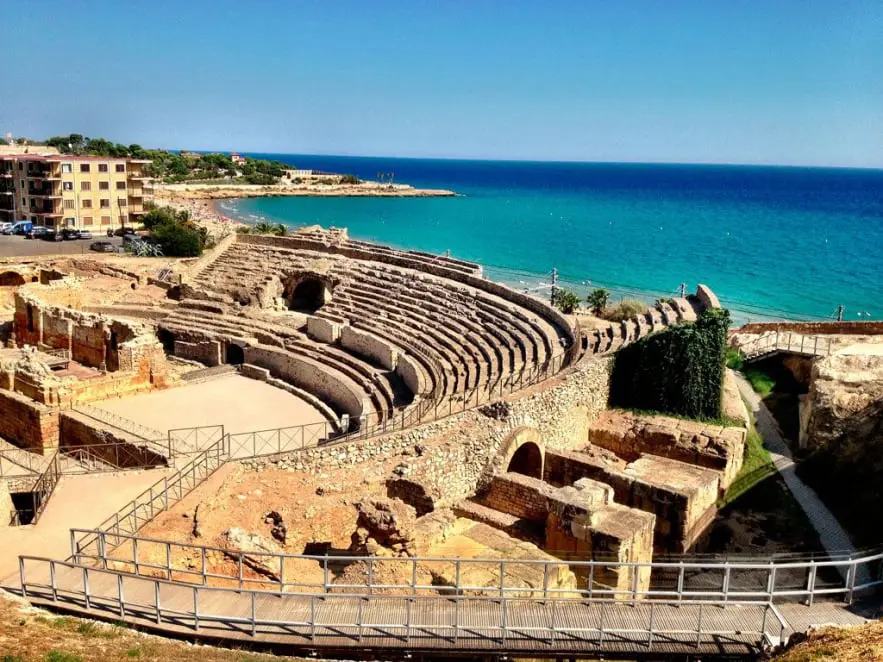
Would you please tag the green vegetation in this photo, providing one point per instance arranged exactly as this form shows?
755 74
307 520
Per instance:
757 466
625 309
762 382
565 300
735 360
276 229
171 167
678 371
349 179
598 300
175 233
60 656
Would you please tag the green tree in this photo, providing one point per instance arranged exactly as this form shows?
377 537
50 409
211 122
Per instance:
598 300
177 240
565 300
263 228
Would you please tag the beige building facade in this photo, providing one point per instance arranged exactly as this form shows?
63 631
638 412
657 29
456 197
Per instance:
63 191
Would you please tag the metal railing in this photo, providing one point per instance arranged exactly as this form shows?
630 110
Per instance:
786 341
164 493
41 492
148 435
710 581
502 622
19 463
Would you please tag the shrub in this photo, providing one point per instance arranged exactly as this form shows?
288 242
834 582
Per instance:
678 371
178 240
598 300
349 179
625 309
735 360
263 228
565 300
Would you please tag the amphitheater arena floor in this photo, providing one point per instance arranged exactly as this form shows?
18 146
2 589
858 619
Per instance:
238 403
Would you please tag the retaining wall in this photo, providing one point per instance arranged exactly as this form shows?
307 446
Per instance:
26 423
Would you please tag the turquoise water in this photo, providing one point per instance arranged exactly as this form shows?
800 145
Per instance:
772 242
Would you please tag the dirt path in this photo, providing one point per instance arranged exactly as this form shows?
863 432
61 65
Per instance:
833 537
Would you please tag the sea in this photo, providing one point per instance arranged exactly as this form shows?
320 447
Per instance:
772 242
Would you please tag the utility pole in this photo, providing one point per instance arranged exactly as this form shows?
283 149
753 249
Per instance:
683 290
840 310
554 283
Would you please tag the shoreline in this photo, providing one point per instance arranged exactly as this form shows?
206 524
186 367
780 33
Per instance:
180 192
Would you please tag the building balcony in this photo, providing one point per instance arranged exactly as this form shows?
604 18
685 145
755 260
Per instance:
44 174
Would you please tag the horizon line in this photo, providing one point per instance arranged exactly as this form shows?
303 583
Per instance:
563 161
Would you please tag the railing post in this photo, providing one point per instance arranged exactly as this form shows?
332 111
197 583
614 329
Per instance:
85 586
680 581
254 624
811 583
240 569
850 581
726 583
156 602
120 598
650 628
699 627
203 568
74 550
312 618
196 608
52 582
325 574
21 574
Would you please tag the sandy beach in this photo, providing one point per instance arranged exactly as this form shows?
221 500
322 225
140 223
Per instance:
226 191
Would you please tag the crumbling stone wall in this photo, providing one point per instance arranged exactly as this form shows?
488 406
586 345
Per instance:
631 435
370 346
28 424
453 458
109 444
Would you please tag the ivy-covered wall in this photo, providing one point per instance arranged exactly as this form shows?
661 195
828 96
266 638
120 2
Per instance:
676 371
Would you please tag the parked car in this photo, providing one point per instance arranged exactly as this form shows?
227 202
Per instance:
19 227
51 235
124 232
70 233
4 226
85 234
37 231
102 247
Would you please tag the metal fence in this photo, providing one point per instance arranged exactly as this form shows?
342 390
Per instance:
501 622
786 341
40 492
163 494
719 582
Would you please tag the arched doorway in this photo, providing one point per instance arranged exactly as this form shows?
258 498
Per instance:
527 460
11 279
235 355
306 292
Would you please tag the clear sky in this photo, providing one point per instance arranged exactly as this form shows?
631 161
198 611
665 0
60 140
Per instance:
726 81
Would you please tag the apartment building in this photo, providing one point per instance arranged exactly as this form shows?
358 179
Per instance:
88 192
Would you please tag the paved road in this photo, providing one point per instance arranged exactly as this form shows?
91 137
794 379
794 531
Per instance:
13 246
833 537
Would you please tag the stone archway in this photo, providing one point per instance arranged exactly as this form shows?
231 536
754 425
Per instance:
523 453
306 293
11 279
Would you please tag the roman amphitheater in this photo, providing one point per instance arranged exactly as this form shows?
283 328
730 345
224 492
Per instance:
319 444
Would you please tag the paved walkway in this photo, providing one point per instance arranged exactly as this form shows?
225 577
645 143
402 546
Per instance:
78 502
833 537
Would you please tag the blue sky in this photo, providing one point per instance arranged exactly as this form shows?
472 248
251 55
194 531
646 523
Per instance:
726 81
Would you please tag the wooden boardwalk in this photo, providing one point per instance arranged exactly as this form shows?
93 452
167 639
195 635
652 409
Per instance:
353 623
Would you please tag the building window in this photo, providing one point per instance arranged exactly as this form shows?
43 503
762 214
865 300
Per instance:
121 186
87 220
85 186
22 183
121 167
67 186
103 186
69 222
66 167
21 166
122 202
102 167
84 167
50 222
68 204
105 203
24 202
105 220
87 204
